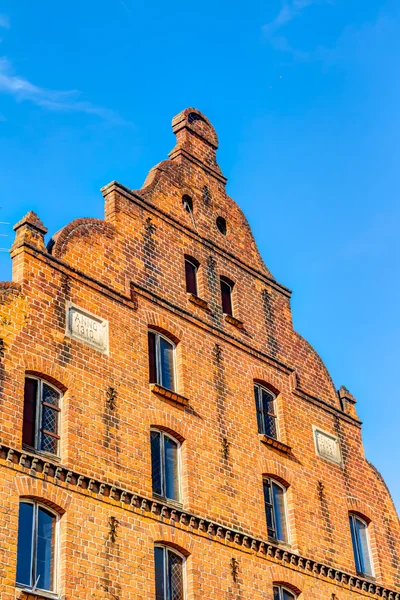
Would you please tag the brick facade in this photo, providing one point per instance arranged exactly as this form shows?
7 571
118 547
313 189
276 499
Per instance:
129 271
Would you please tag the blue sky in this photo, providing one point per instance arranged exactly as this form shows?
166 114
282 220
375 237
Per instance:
304 95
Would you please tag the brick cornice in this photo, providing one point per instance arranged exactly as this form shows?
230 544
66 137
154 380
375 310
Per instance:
37 466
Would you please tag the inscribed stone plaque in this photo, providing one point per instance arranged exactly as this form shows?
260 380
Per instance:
87 328
327 445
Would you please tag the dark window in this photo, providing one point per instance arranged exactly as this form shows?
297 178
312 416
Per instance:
168 566
191 267
226 295
281 593
165 465
359 536
36 547
41 416
265 406
187 203
275 510
161 360
221 224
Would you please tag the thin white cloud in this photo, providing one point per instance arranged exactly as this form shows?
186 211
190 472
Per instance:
290 10
4 22
66 101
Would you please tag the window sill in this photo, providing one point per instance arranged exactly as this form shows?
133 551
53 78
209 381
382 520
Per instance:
168 501
27 594
197 301
49 455
233 321
269 441
168 394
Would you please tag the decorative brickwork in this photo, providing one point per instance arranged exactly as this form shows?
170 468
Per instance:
127 273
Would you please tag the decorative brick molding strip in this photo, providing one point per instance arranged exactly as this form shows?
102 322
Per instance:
36 465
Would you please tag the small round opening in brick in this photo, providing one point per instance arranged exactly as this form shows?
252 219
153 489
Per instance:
221 224
187 203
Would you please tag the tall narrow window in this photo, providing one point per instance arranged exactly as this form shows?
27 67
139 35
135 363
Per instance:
161 360
41 418
165 465
36 547
191 267
275 510
359 536
169 566
282 593
266 414
226 296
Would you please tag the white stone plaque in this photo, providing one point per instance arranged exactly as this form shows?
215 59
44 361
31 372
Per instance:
327 445
87 328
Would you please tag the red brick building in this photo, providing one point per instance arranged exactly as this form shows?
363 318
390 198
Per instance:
165 433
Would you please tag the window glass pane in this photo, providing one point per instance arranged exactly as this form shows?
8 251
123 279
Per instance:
155 438
362 538
267 491
191 278
50 395
355 544
25 533
277 593
171 469
279 513
167 364
45 549
288 595
159 572
49 423
270 426
226 292
152 358
175 577
260 422
29 418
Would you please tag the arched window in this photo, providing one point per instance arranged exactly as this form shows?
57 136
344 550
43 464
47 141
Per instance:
275 510
359 536
41 418
282 593
169 573
266 411
226 295
165 465
191 268
161 360
37 547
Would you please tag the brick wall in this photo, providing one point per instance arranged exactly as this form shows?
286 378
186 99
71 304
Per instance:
129 270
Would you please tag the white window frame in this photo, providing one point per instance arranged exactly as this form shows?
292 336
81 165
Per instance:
157 336
179 445
50 593
264 387
38 416
167 548
283 588
284 489
356 517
